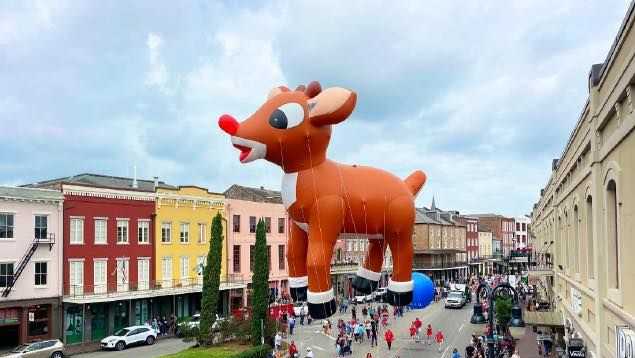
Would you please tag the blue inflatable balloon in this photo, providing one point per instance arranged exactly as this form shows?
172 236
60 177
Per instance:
423 290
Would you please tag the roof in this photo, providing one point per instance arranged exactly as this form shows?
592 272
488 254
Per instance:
103 181
30 193
261 194
422 218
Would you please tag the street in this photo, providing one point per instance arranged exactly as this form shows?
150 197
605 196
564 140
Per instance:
453 322
160 348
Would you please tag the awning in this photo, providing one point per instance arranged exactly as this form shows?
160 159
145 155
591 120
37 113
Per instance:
546 318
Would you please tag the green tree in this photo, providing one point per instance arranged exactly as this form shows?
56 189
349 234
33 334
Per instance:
211 282
260 284
503 310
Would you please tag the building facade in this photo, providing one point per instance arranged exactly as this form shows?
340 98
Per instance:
502 228
184 217
587 209
471 241
521 235
244 207
437 243
30 265
486 250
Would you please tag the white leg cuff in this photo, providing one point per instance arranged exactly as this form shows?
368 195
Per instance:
368 274
320 297
301 281
396 286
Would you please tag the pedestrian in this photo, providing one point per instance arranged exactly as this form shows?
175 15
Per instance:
291 324
277 341
354 313
469 351
456 354
368 355
373 334
389 337
302 314
429 334
413 331
368 327
439 338
516 355
293 350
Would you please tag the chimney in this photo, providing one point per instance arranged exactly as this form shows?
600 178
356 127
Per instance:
156 182
134 179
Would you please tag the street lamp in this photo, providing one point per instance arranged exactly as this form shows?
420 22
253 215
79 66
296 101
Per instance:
477 315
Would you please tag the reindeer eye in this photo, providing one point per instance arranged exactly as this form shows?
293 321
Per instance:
287 116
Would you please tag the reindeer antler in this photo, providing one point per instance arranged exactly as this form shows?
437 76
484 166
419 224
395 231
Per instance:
313 89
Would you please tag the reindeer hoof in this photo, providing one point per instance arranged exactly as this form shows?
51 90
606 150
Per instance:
399 298
298 294
364 285
322 310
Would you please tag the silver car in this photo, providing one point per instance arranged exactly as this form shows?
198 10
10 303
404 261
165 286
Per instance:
52 348
455 299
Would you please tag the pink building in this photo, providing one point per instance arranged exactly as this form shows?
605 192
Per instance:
244 206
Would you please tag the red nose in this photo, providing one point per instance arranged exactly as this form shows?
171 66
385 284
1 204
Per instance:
228 124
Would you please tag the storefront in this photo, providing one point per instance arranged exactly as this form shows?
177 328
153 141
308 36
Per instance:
30 321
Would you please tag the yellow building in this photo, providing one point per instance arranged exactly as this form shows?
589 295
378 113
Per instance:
183 228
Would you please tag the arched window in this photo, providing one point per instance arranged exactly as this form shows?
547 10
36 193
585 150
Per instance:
613 250
575 242
589 237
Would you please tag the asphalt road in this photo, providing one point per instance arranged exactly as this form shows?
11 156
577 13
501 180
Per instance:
453 322
160 348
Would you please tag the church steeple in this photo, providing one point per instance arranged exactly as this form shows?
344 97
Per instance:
433 207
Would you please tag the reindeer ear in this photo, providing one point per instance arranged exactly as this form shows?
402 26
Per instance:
331 106
276 91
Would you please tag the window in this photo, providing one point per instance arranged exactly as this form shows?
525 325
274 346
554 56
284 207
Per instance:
166 270
100 232
202 231
122 231
6 274
99 275
267 225
517 226
6 226
252 249
166 232
143 274
575 240
269 257
281 225
236 258
76 281
589 237
236 223
252 224
40 273
200 265
185 270
613 235
41 222
524 227
185 233
143 231
281 257
77 231
123 270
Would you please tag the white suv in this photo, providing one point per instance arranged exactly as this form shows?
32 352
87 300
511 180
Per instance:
128 336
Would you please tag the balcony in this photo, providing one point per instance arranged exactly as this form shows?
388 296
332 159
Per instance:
454 265
133 290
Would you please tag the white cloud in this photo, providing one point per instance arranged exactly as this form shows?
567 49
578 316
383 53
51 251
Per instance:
157 74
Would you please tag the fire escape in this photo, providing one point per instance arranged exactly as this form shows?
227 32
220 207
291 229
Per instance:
49 240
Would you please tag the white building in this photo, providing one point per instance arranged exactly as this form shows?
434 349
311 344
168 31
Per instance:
521 236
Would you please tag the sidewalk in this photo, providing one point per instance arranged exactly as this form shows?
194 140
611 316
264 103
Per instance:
526 345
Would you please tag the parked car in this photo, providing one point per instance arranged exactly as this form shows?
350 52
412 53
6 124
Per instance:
455 299
380 294
297 308
195 322
52 348
129 336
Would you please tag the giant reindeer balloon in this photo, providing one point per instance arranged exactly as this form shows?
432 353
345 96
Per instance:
324 199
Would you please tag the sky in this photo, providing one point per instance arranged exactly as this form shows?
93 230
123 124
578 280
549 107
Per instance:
480 96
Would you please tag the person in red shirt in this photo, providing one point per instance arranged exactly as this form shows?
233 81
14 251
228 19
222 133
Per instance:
418 323
293 350
429 334
413 331
439 338
389 337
